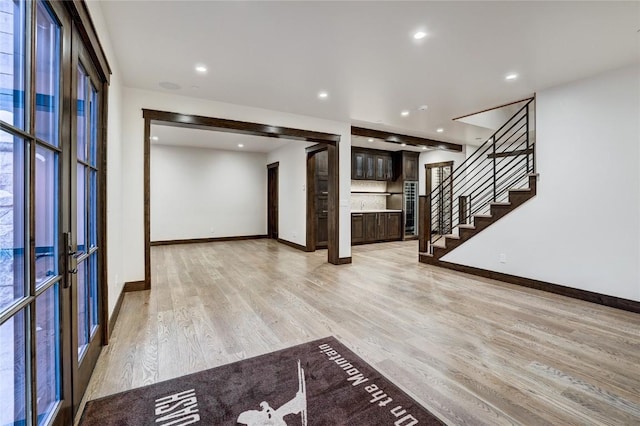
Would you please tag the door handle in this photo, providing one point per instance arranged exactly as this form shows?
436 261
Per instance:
70 256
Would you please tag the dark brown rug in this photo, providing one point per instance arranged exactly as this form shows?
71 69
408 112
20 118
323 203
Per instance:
316 383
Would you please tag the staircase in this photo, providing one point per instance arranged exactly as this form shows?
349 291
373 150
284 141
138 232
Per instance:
492 182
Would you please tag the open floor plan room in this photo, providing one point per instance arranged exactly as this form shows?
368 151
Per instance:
471 350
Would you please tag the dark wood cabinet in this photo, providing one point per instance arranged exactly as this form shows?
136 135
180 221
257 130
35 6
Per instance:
410 166
371 165
381 226
394 225
370 227
358 165
381 169
388 163
357 227
406 165
375 227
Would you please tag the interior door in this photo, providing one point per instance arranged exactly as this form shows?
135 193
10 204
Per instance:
49 247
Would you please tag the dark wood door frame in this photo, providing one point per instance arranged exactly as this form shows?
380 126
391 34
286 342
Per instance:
429 184
331 141
273 197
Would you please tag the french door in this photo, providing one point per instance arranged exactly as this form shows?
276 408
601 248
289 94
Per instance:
50 265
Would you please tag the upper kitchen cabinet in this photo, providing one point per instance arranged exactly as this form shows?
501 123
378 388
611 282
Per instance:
371 165
406 163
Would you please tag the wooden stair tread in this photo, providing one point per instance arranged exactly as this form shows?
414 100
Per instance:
497 203
520 190
481 216
466 226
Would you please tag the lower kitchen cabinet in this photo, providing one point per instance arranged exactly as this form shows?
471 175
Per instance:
376 227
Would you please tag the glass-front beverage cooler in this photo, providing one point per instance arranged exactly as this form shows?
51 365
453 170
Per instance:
410 209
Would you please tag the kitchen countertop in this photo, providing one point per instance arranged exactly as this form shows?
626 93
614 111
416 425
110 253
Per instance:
376 211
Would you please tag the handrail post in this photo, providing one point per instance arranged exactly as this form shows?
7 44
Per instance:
494 168
527 136
424 221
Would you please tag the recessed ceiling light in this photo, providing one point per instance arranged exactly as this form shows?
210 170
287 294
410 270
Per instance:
154 138
323 95
404 113
423 107
403 144
201 69
439 130
511 76
370 139
419 35
424 147
240 145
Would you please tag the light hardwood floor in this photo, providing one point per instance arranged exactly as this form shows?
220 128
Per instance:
471 350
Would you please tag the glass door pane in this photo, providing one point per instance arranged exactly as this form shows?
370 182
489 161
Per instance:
12 220
86 210
13 367
48 352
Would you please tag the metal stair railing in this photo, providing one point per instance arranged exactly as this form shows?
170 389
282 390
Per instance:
503 162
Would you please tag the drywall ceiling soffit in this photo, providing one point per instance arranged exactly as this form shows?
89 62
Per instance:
279 55
213 139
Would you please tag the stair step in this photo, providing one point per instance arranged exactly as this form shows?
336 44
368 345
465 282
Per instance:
482 216
520 190
466 226
452 237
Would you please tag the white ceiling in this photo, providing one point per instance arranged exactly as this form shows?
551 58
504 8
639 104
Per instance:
200 138
279 55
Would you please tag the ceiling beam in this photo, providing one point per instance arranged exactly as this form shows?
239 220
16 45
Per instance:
409 140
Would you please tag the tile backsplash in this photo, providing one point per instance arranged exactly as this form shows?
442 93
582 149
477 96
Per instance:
368 201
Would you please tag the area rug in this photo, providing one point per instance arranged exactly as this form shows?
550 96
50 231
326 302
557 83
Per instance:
316 383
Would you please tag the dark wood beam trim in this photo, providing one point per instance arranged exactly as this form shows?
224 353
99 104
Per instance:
588 296
114 315
399 139
80 15
333 243
441 164
344 260
147 203
316 148
233 126
511 153
273 165
293 245
207 240
130 286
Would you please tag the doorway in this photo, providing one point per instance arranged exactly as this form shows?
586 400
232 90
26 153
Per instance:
164 118
439 186
53 291
272 200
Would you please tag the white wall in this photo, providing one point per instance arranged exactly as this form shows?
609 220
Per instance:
582 230
134 100
115 248
203 193
292 195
